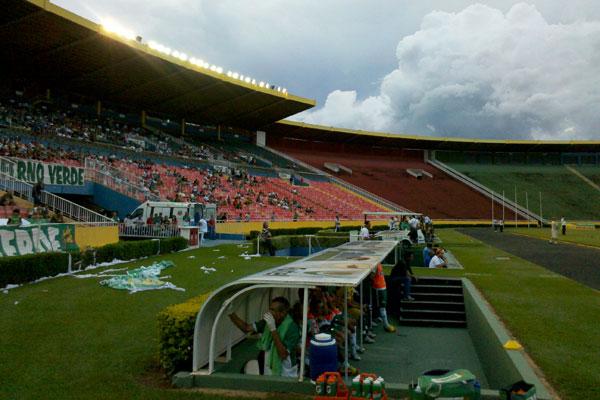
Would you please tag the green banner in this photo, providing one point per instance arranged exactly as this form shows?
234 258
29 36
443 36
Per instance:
18 241
32 171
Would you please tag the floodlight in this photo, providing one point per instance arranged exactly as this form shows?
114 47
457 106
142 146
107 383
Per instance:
219 70
254 81
241 77
229 74
284 90
235 75
111 26
247 80
261 84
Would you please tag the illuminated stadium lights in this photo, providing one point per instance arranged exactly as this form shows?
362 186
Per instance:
159 47
212 67
111 26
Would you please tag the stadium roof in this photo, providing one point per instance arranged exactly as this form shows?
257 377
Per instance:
45 46
303 131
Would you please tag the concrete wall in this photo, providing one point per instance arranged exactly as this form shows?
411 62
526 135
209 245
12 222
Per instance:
502 367
112 200
95 236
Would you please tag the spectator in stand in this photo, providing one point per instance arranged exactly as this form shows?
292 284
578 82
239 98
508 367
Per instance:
36 192
438 260
15 218
57 218
247 219
273 216
115 216
338 223
265 239
150 221
239 218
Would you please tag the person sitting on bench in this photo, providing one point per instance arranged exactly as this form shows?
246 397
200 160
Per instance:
279 340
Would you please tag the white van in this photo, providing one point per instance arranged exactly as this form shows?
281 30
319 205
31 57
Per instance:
169 208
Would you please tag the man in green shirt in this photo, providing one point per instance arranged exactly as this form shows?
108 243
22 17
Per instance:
279 341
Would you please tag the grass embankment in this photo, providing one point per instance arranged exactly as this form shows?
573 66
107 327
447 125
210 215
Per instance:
585 237
71 338
555 318
563 193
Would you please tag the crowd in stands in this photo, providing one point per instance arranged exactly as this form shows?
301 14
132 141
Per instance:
238 195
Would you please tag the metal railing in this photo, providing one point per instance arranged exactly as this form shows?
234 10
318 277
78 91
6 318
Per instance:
55 203
497 197
149 231
117 179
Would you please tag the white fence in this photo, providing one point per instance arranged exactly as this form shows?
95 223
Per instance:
149 231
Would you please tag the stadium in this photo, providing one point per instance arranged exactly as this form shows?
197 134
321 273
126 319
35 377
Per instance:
121 158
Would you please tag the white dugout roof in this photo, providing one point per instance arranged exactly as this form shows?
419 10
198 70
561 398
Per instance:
249 297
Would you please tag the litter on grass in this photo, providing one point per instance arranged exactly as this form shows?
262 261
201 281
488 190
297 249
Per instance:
208 270
191 257
221 257
142 279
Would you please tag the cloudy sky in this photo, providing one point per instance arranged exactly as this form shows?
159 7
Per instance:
494 69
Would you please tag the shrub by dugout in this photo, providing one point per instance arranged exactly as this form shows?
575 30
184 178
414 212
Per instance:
176 334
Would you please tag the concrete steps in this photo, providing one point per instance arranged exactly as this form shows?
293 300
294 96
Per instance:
438 303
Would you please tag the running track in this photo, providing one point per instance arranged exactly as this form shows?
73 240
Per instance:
579 263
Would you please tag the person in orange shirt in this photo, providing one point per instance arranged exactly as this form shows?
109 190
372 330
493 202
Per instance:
378 283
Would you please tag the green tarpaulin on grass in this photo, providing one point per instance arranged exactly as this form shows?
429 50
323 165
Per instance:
142 278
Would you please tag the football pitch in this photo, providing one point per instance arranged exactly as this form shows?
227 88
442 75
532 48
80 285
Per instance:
72 338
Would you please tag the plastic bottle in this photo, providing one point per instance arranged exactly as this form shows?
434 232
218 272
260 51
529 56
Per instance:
367 387
320 389
377 390
356 387
332 386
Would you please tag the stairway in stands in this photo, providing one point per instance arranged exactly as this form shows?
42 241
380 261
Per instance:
439 302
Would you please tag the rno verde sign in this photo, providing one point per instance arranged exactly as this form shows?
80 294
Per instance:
51 174
18 241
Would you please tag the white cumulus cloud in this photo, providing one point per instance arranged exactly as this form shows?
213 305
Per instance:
483 73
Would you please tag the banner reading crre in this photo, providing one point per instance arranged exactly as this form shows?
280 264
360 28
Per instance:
32 171
18 241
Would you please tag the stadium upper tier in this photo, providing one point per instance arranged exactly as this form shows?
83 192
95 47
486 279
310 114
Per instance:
385 174
46 47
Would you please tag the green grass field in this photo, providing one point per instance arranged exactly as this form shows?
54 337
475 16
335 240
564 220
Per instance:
563 193
70 338
586 237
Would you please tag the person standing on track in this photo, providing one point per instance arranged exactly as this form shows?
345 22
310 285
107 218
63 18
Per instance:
563 224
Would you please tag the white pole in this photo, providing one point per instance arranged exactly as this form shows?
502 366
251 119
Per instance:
527 207
503 219
361 315
541 215
304 328
309 245
493 226
346 332
516 207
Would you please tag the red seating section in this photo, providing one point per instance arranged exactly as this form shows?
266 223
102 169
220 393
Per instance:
386 176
